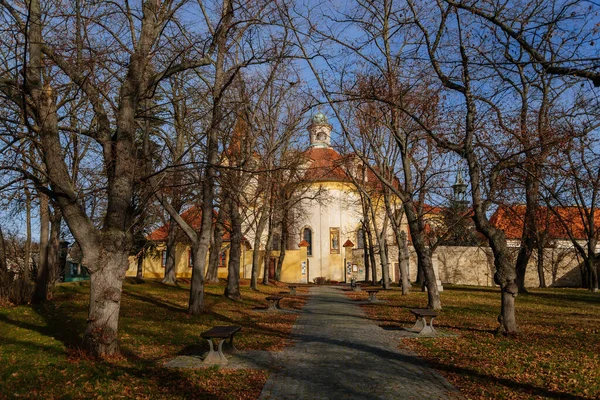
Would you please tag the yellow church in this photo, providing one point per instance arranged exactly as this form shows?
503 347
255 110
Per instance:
328 242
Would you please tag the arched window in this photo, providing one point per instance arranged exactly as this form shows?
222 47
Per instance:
360 238
307 235
276 242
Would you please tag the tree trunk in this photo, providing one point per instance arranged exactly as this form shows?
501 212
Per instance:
200 248
420 277
27 256
212 274
507 319
365 252
403 261
372 256
381 243
592 273
385 271
424 256
262 223
540 264
232 290
402 244
3 263
170 277
196 303
105 302
281 259
41 281
139 276
267 258
282 244
199 252
505 275
433 295
521 265
55 261
530 230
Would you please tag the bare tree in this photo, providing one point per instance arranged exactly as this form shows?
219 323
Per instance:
105 247
572 198
533 25
378 23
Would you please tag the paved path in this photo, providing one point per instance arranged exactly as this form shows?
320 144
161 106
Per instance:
339 354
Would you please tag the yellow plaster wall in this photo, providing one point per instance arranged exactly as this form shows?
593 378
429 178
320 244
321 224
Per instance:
152 265
291 270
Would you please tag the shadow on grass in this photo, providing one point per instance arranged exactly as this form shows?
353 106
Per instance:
583 297
59 326
155 301
477 289
385 354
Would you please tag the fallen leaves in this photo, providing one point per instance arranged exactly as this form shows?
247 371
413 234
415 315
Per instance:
39 346
556 354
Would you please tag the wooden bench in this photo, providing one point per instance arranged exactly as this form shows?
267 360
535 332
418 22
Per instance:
421 326
274 303
292 290
372 294
216 336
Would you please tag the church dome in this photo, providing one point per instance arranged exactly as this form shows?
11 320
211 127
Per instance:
320 119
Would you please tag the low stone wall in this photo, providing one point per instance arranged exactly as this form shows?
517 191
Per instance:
462 265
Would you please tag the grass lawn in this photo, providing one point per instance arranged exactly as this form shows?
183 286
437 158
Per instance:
39 356
556 354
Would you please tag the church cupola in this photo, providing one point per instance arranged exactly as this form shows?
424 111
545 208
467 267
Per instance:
460 189
319 131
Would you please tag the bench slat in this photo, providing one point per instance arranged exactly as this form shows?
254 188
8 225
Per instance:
424 312
221 332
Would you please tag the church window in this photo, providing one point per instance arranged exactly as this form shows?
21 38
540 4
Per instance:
276 242
190 259
360 239
334 240
164 258
222 259
307 235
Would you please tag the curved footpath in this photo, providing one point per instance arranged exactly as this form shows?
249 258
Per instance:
340 354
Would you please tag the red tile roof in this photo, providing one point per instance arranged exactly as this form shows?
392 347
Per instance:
193 216
326 164
511 220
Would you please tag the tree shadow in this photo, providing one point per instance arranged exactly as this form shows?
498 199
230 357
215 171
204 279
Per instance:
59 326
593 298
155 301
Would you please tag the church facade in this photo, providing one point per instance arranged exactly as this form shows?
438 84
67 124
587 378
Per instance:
326 236
331 214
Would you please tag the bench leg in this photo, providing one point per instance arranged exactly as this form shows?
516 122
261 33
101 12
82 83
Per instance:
273 306
418 326
373 297
215 357
293 291
230 347
356 288
428 328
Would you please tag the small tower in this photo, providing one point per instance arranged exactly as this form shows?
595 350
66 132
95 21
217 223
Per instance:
319 131
460 190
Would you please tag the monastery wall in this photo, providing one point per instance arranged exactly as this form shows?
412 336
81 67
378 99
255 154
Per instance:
462 265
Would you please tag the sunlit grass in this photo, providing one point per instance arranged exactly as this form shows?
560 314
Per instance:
555 355
40 356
